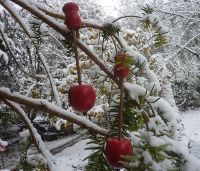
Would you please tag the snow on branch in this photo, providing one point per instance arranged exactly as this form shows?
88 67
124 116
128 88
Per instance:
46 11
52 109
4 57
61 28
36 137
55 92
153 82
158 103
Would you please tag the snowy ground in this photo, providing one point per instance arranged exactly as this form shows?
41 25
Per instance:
191 122
71 159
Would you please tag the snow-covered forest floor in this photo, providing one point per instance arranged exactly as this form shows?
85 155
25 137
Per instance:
72 157
191 120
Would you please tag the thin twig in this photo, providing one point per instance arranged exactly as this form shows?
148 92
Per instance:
127 16
76 57
121 108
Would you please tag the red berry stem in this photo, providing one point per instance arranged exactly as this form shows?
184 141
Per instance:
121 107
76 57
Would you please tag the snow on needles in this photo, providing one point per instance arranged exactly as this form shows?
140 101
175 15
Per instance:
153 82
154 20
160 104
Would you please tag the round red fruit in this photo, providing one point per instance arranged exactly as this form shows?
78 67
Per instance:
72 18
121 70
116 148
82 97
70 7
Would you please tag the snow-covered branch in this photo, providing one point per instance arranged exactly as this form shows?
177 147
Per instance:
61 28
36 137
52 109
55 92
46 11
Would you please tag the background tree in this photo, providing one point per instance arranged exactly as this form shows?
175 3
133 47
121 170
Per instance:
182 19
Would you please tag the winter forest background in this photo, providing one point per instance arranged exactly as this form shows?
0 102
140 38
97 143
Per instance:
39 128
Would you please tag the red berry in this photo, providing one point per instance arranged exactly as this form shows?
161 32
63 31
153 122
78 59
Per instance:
70 6
72 18
82 97
115 148
121 71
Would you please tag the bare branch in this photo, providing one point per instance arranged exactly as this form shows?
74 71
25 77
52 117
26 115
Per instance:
127 16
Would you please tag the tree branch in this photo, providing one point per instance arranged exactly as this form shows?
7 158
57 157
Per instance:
127 16
62 29
52 109
36 137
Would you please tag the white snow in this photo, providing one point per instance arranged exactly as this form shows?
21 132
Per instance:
4 57
3 143
135 91
54 88
191 120
153 82
153 19
24 134
72 158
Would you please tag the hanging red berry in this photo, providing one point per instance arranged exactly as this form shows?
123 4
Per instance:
121 71
72 18
82 97
121 68
115 148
